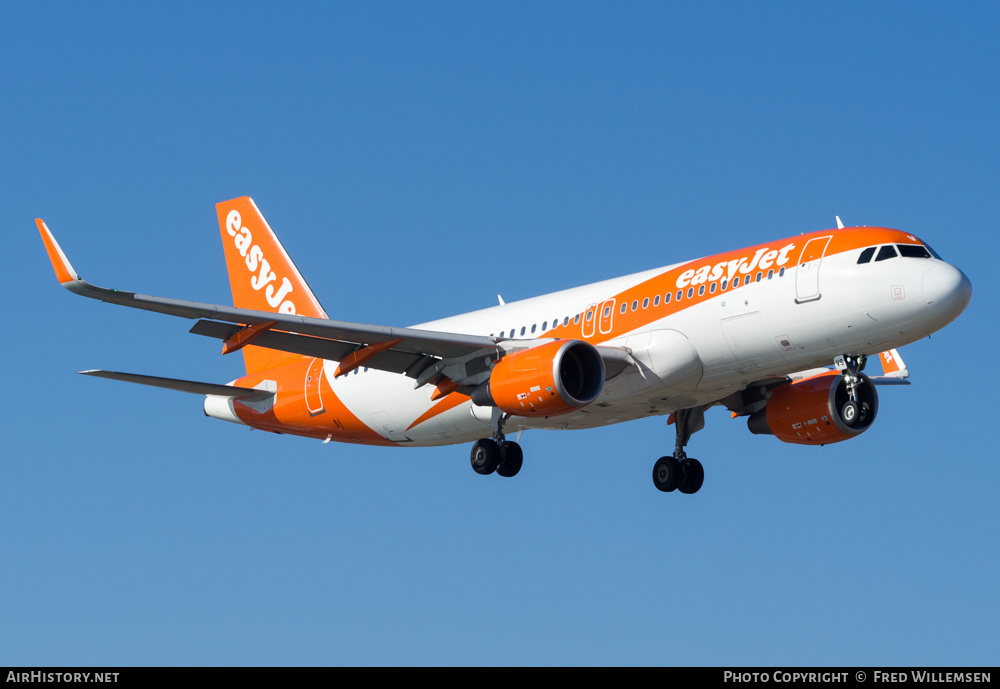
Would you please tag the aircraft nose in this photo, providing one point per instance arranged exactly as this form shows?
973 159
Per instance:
947 290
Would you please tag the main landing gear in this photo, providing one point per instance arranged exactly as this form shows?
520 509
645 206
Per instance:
681 472
497 453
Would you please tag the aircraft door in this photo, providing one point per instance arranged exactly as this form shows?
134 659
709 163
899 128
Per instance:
314 379
589 321
607 316
807 270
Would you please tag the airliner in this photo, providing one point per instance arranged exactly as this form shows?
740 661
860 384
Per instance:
779 333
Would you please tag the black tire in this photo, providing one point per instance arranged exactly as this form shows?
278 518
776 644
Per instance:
512 460
485 456
850 413
666 474
694 476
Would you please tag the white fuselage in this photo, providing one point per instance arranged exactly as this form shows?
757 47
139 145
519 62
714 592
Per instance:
788 319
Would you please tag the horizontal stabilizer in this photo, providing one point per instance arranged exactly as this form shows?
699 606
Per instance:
888 380
893 365
242 394
894 369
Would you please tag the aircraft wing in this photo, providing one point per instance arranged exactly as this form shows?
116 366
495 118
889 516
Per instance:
424 355
196 387
400 350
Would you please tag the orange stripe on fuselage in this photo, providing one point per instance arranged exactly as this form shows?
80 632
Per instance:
714 269
449 402
290 413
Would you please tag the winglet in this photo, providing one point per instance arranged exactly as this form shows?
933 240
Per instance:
64 271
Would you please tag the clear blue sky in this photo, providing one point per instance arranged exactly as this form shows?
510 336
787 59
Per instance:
416 159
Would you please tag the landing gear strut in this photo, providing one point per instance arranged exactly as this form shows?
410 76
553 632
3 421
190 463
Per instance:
680 472
853 412
497 453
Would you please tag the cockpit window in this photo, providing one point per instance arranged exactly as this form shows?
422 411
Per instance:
866 255
933 253
886 252
912 251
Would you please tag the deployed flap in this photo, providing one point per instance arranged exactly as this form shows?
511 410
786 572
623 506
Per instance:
234 391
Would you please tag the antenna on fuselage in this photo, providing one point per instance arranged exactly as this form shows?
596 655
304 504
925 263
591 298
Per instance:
840 225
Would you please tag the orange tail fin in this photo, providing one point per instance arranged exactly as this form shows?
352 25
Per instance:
261 274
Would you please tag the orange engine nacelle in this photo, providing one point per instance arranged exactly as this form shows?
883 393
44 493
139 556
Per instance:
814 411
547 380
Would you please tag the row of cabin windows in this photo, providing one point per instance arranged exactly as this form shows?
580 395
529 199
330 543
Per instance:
890 251
534 327
712 288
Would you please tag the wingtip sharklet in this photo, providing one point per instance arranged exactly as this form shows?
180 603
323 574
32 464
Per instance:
60 264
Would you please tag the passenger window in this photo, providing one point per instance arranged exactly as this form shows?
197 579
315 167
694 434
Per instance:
590 315
533 328
712 288
680 294
545 325
656 300
566 321
866 255
912 251
770 274
725 283
522 330
666 298
624 307
781 273
690 292
886 252
576 319
645 303
736 282
701 291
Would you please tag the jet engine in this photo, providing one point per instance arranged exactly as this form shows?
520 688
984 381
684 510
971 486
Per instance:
547 380
817 410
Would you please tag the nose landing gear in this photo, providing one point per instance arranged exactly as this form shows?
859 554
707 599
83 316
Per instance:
855 412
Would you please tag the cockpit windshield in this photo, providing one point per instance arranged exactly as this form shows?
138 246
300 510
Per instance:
913 251
888 251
